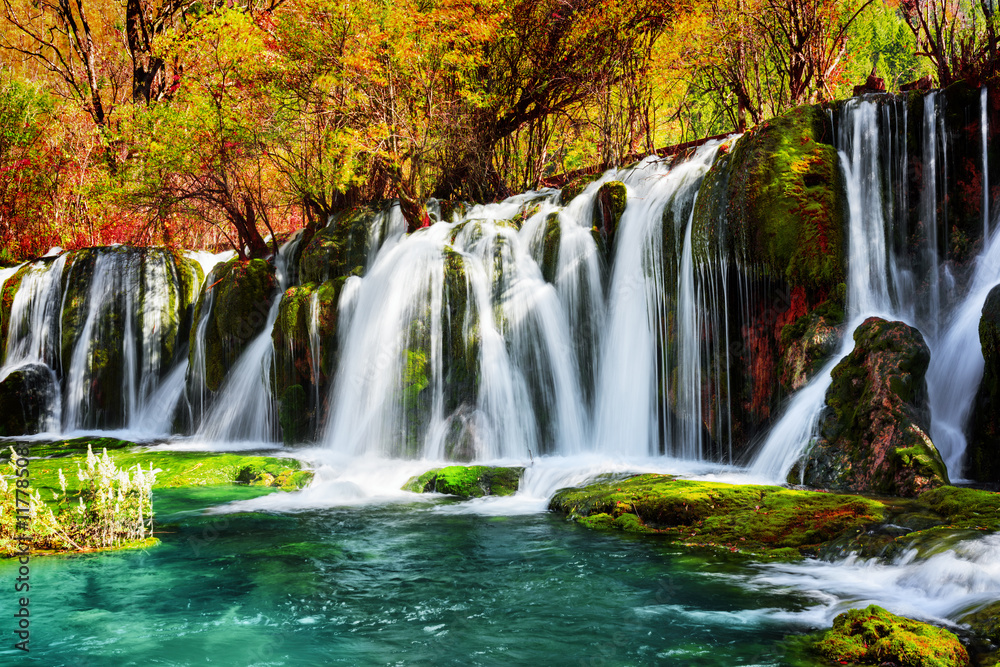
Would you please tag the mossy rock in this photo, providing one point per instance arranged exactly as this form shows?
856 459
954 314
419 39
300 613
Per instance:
609 205
461 337
26 397
550 247
807 343
985 623
767 521
573 188
467 481
873 431
784 208
982 455
301 373
243 291
873 636
294 415
964 507
340 249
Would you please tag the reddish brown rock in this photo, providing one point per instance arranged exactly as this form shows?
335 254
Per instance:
873 431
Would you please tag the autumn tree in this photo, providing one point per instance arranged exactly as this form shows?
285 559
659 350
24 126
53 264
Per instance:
959 37
202 155
547 58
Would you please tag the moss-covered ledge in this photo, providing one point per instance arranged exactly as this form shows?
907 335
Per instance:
757 520
778 522
467 481
174 468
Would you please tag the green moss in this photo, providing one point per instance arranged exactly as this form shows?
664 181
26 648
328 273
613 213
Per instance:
467 481
873 636
299 378
784 201
550 247
575 187
760 520
176 468
461 336
340 249
963 507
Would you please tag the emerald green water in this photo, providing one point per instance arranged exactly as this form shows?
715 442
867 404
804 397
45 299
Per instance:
396 584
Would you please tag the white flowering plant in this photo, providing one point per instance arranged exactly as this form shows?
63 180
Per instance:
113 507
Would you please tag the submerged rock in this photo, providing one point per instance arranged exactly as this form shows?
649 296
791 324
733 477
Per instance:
26 396
873 636
467 481
873 431
982 455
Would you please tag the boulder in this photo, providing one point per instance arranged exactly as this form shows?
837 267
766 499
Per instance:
982 454
807 343
341 248
873 636
26 397
873 430
467 481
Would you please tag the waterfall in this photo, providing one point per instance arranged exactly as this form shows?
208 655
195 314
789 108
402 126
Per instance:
867 284
956 366
629 408
453 343
244 409
33 329
929 209
984 131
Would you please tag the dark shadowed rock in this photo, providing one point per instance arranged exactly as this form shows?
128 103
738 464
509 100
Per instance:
873 431
25 397
982 455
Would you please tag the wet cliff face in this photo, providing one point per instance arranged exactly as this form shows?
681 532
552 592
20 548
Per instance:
769 230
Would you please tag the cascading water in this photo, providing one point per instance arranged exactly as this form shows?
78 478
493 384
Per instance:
867 283
244 410
984 131
629 408
956 366
463 305
121 318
